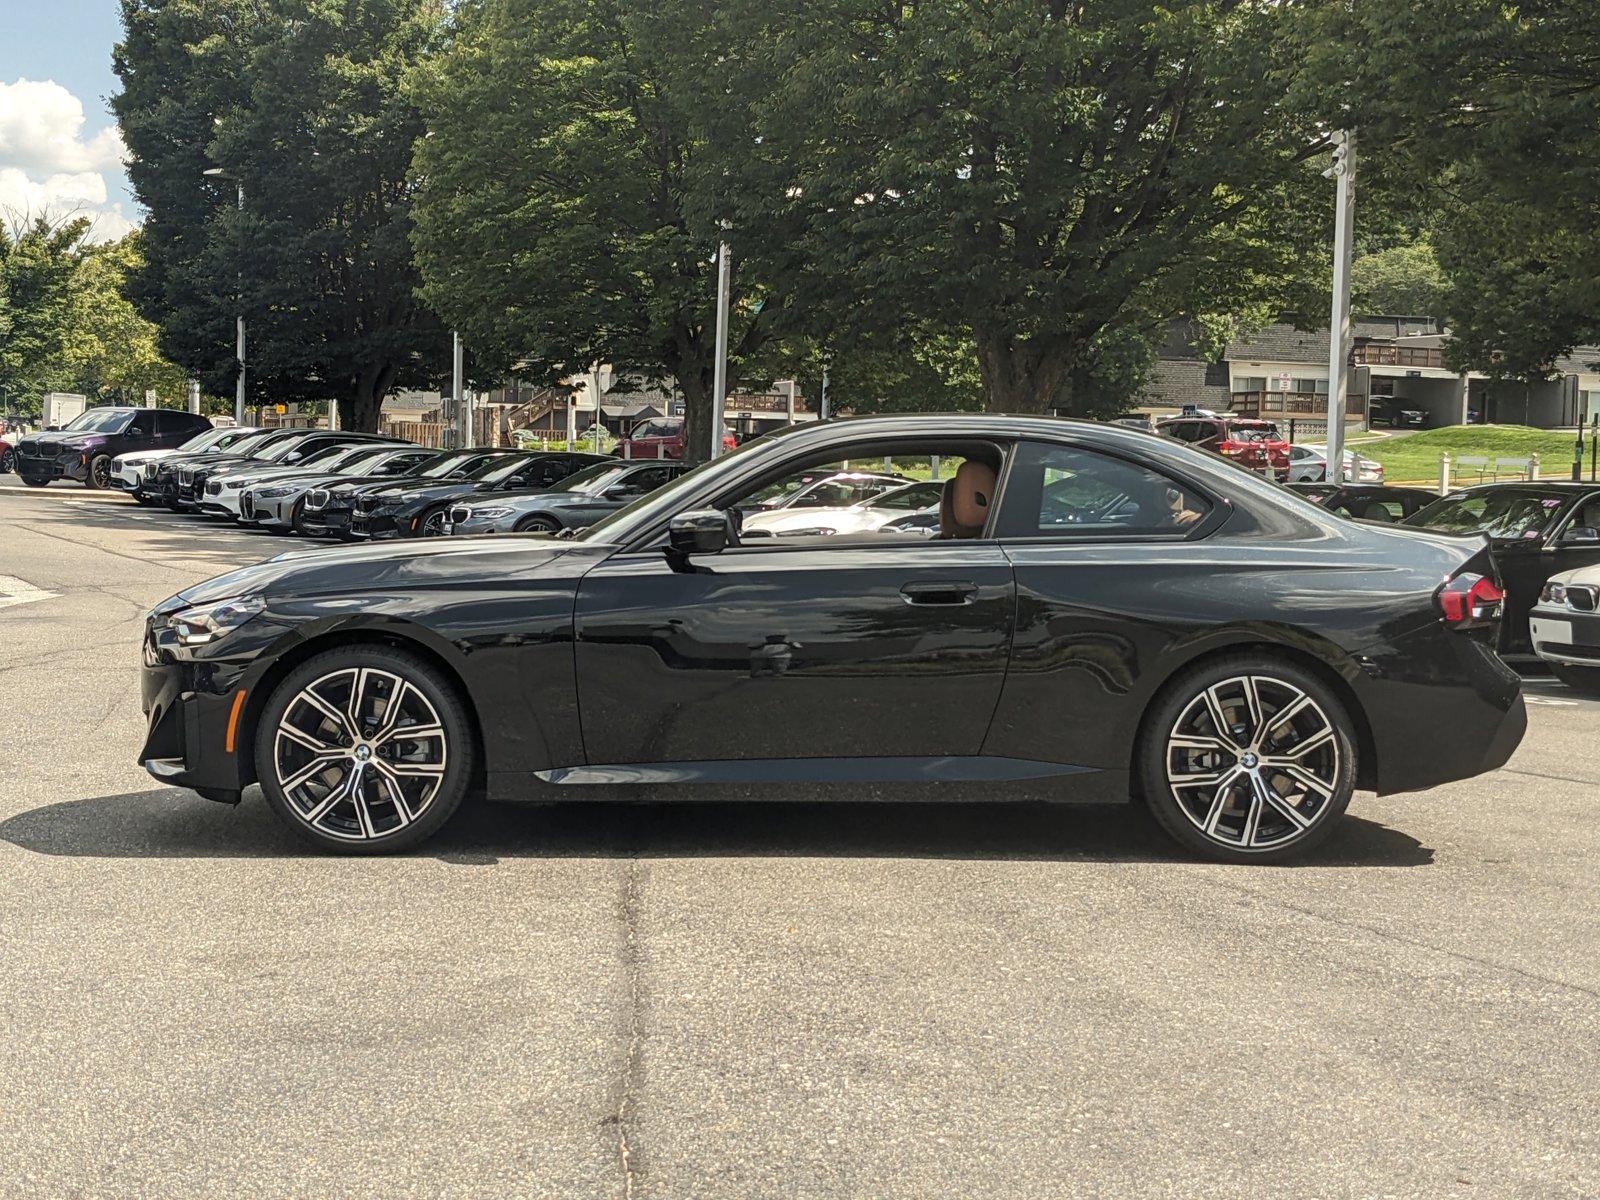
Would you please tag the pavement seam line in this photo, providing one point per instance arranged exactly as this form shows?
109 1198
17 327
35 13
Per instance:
627 1098
1415 943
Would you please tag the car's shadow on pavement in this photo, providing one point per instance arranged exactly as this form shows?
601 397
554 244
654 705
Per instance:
171 823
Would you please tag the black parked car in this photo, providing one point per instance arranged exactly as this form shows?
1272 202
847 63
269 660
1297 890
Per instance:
1385 410
326 511
1121 615
301 447
421 510
84 449
1535 529
575 502
1367 501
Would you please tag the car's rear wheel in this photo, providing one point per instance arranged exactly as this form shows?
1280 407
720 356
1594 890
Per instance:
365 750
99 475
1248 759
537 525
1579 679
8 461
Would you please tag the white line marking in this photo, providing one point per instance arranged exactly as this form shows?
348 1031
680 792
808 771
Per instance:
17 591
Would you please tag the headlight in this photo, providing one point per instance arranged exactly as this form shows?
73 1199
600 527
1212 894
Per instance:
1554 593
487 514
273 493
206 623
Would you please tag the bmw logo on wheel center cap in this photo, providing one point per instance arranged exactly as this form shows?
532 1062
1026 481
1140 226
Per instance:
363 753
1248 761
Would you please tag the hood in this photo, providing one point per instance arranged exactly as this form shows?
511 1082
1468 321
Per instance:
65 441
387 567
399 493
140 457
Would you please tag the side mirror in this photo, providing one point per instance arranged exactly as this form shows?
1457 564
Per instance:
1581 535
705 531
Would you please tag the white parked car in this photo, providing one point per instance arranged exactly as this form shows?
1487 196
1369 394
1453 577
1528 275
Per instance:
864 517
1309 464
1565 626
127 470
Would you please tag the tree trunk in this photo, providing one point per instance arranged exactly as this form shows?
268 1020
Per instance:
694 383
1019 377
361 409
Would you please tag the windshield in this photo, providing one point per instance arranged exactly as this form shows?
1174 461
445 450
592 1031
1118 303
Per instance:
497 469
346 456
1253 433
205 440
450 463
908 498
281 450
1508 513
102 420
592 479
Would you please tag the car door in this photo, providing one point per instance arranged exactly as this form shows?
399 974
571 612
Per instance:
887 657
1095 535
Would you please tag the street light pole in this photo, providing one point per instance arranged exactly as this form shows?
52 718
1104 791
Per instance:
238 342
457 381
1343 173
719 384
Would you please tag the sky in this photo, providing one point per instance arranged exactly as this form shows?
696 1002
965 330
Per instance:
59 147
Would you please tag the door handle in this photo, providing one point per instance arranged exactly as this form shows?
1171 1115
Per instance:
939 592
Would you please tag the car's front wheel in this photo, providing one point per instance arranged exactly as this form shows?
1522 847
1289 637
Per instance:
364 750
99 475
433 524
8 461
1248 759
1579 679
538 525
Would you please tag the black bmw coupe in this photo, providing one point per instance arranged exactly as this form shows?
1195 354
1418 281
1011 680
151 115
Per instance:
1102 614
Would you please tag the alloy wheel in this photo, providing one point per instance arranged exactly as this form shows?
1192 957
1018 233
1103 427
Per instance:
1253 762
360 754
100 473
433 523
8 462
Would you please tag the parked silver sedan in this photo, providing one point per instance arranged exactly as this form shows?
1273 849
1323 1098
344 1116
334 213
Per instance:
577 502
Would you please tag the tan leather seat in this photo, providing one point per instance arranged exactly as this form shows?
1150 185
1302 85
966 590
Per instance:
964 503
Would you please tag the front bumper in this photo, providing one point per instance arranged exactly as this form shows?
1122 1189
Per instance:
378 524
62 466
267 512
1564 635
128 478
224 501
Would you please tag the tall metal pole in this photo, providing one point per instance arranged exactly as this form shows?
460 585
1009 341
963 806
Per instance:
194 396
1339 339
457 370
822 406
238 347
719 383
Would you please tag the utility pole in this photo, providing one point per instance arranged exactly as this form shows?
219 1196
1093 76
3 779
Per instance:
457 370
822 405
1343 173
719 384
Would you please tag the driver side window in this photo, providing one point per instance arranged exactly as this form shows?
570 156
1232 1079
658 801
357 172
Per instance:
1061 491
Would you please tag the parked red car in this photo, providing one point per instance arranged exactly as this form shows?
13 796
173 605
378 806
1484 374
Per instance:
661 438
8 457
1248 441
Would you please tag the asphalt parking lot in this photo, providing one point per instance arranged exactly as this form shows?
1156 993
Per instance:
723 1000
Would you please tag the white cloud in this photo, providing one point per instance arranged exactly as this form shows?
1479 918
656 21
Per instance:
47 165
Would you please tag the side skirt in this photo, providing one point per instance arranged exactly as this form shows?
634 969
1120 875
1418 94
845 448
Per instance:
965 769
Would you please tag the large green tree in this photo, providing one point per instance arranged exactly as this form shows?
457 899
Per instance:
1496 107
40 260
304 103
571 187
1056 179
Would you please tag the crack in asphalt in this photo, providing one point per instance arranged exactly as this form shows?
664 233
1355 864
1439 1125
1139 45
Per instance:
1543 775
1415 943
632 1024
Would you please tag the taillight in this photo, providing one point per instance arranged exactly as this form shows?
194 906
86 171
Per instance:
1227 447
1469 600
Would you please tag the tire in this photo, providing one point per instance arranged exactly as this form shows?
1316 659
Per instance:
432 525
1579 679
34 482
8 462
310 801
1210 791
537 525
99 476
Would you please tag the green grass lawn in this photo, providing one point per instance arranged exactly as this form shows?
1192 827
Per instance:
1416 458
